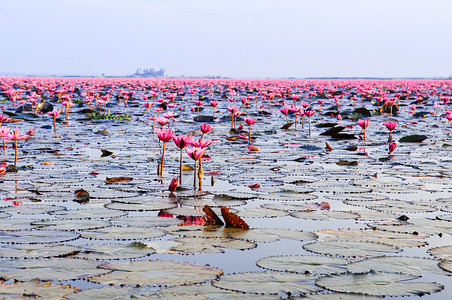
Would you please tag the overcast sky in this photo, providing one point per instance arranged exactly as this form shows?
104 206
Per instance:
235 38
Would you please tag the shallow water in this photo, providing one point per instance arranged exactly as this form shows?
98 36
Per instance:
292 167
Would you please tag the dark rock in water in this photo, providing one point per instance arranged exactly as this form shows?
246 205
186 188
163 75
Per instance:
326 125
415 138
46 127
362 111
421 114
9 113
343 136
45 107
87 111
105 152
333 131
203 119
403 218
22 108
311 148
286 126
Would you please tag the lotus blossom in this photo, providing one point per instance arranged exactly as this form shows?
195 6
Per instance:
309 113
205 128
214 104
363 124
165 136
181 142
196 153
391 125
249 122
4 119
15 136
54 114
173 185
285 111
392 147
4 131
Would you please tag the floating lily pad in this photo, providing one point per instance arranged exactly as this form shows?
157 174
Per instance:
306 264
210 245
37 236
34 289
397 264
253 235
444 253
88 214
446 265
415 138
206 291
123 233
32 209
261 213
70 224
144 206
50 269
105 293
268 283
185 211
145 221
416 226
37 250
114 251
398 240
14 224
296 235
325 215
156 273
350 249
379 284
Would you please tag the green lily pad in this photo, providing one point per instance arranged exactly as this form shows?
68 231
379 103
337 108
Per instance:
379 284
444 253
304 264
156 273
350 249
37 236
37 250
123 233
268 283
88 214
34 289
145 221
415 138
50 269
396 264
71 224
105 293
194 245
114 251
143 206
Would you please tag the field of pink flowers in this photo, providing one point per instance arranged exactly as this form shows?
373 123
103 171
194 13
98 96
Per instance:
162 188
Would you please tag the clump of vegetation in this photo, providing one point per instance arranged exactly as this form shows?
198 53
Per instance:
108 116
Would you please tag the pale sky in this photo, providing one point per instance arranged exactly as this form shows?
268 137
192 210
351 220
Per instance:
234 38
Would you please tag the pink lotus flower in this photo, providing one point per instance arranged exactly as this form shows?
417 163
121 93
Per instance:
206 128
195 154
164 136
391 125
201 143
54 114
249 122
173 185
392 147
181 142
15 136
4 119
364 124
4 131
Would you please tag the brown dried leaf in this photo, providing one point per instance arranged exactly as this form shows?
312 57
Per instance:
211 217
117 179
232 220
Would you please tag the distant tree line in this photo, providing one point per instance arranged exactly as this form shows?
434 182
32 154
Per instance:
151 72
